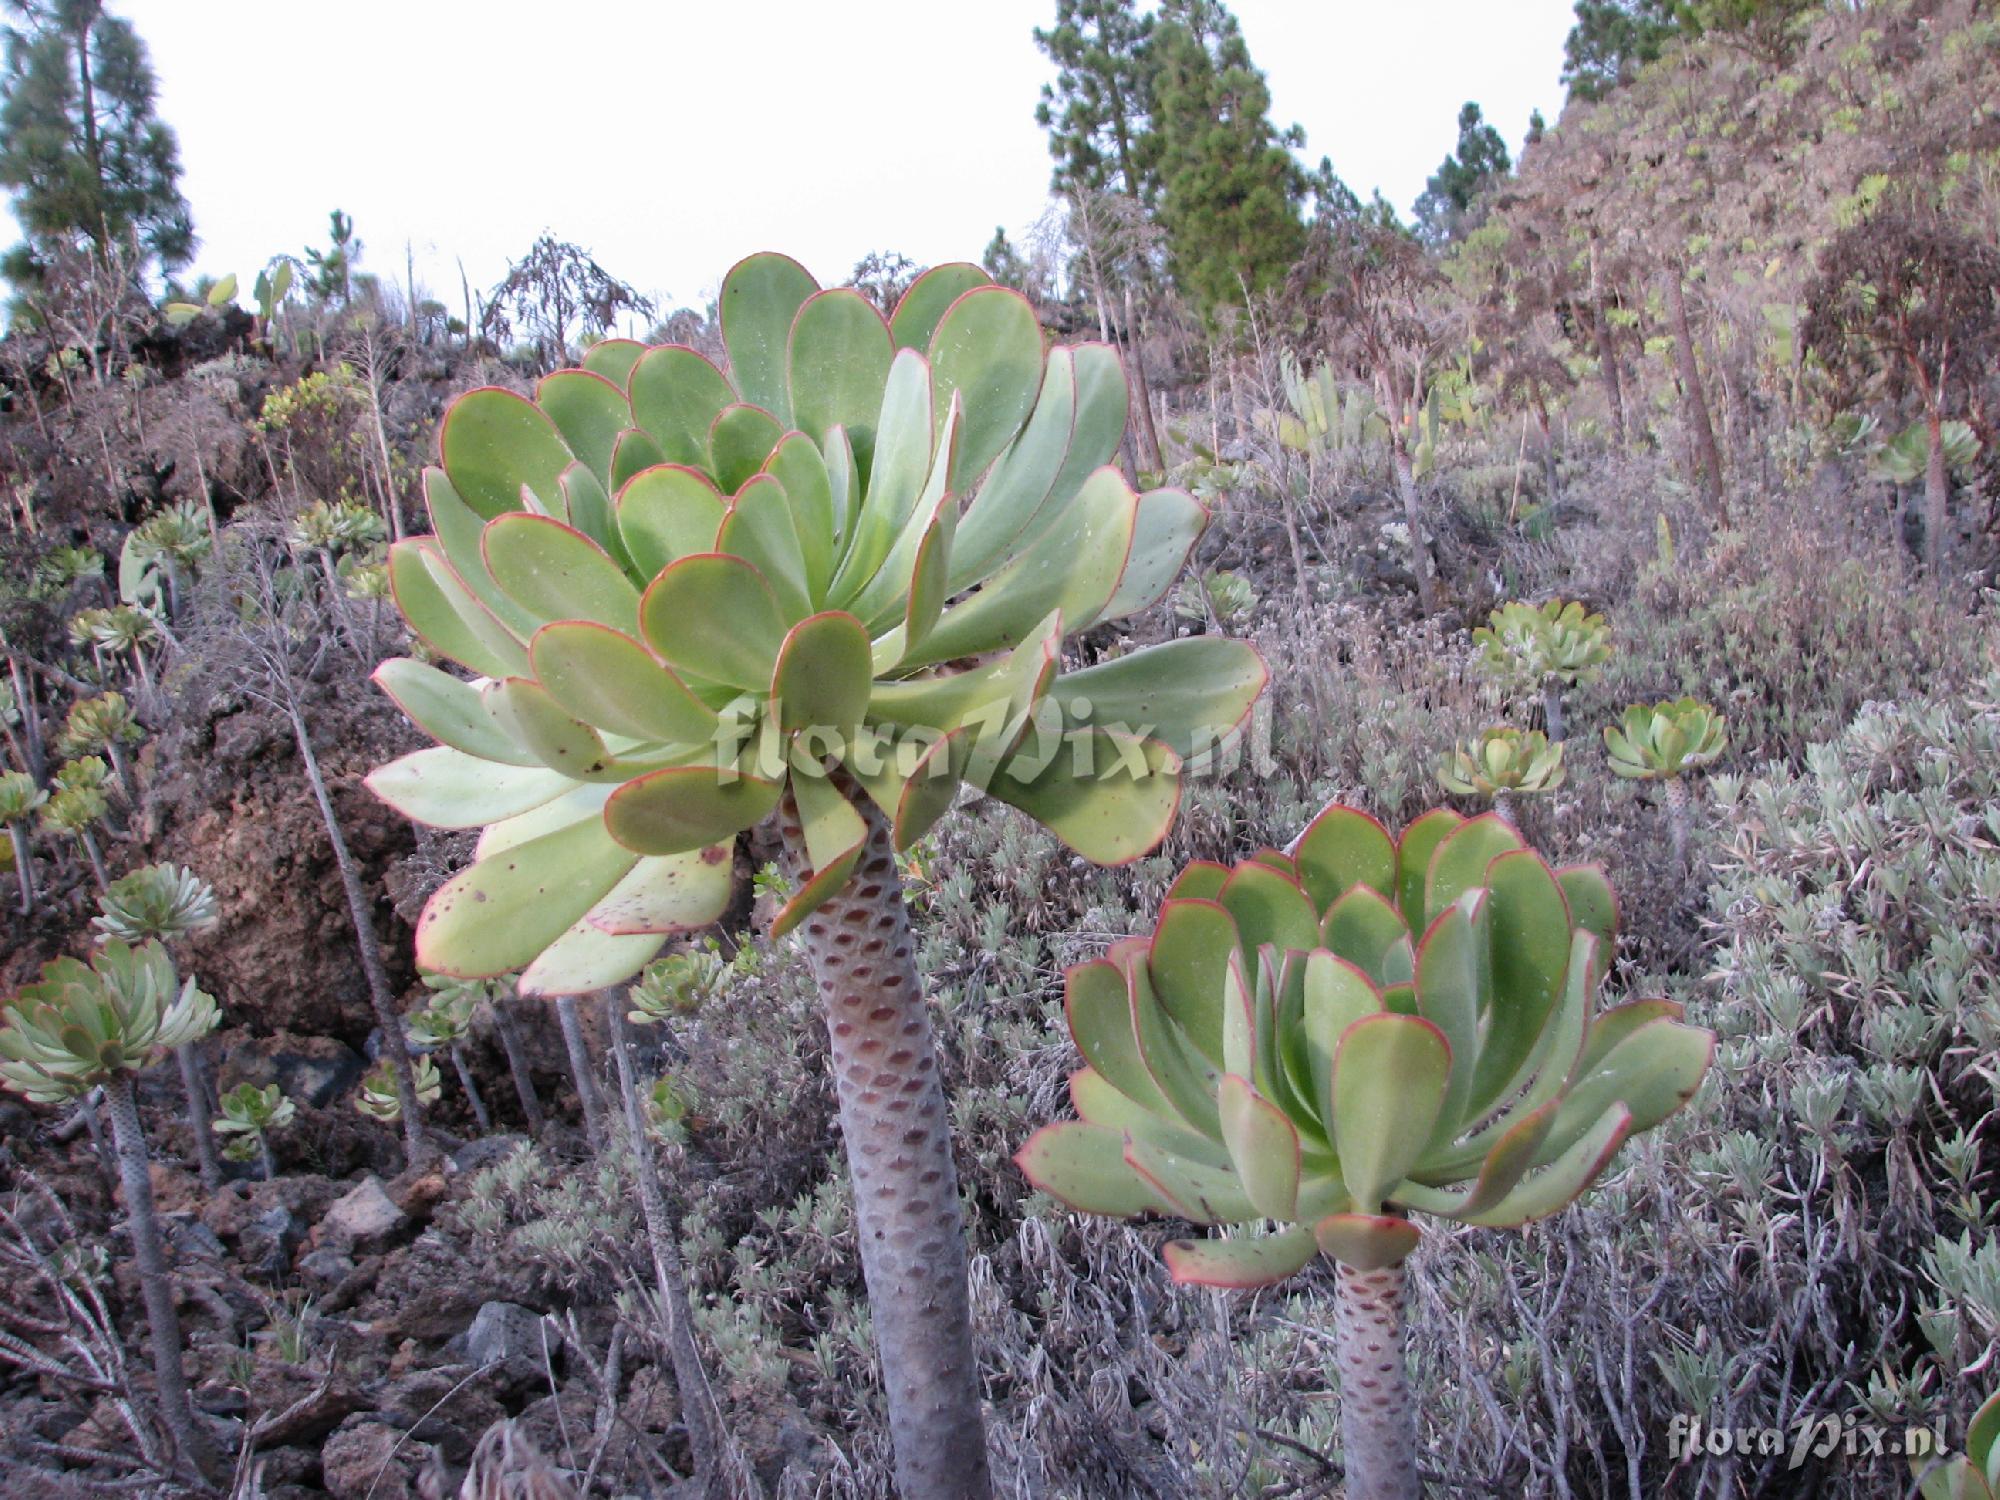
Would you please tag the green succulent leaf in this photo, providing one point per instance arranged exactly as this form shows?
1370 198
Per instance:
1367 1242
555 572
1263 1147
839 355
1242 1264
1110 797
676 397
609 680
1085 1167
1390 1075
715 617
498 915
922 306
761 297
447 788
686 807
449 710
494 443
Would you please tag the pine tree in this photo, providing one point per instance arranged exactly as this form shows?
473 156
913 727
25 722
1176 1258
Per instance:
1096 110
1612 40
87 159
1445 210
1004 263
1230 188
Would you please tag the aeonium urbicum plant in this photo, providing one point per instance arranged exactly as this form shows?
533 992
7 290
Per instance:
829 581
1319 1045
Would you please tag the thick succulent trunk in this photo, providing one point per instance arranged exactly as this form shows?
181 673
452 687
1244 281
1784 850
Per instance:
1413 518
189 1062
1937 494
517 1066
580 1070
264 1157
150 1255
698 1408
1552 708
1707 455
1679 819
895 1123
1378 1417
1503 806
472 1095
379 993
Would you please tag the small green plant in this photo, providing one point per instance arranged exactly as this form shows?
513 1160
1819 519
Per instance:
337 527
64 567
155 901
1226 597
218 296
377 1096
1904 458
492 995
104 725
167 901
1323 415
75 811
21 799
1663 742
1502 763
122 629
1547 648
668 1102
442 1026
680 983
249 1115
82 773
84 1026
166 546
1337 1038
1973 1475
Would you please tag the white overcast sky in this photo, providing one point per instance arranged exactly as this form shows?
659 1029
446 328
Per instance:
670 139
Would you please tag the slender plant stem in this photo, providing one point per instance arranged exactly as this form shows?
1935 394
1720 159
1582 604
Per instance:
517 1065
472 1096
189 1062
379 994
895 1124
150 1255
1413 519
89 842
580 1071
264 1157
93 1123
698 1408
123 767
23 859
1552 709
1378 1416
